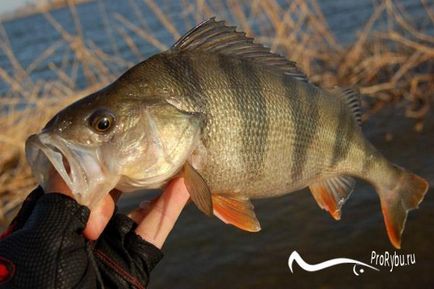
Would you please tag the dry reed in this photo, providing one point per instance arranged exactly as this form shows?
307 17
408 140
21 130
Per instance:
391 65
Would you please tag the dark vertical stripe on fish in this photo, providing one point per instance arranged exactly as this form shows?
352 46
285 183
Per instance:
251 105
181 70
185 77
258 116
305 118
344 133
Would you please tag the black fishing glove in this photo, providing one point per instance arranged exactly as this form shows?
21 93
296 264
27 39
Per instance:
44 248
124 259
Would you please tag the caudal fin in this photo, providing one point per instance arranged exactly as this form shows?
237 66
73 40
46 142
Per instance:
406 194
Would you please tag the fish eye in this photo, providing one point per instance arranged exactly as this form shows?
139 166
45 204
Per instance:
101 121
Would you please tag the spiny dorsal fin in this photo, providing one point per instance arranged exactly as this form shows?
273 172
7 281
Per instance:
352 98
214 36
331 194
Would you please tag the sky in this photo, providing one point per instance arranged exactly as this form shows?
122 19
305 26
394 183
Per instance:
9 5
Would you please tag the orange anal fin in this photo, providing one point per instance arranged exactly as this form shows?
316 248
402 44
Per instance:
236 211
331 194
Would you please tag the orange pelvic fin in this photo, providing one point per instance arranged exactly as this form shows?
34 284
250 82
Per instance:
331 194
236 211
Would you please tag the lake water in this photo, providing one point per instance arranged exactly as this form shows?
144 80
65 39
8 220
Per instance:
31 36
203 252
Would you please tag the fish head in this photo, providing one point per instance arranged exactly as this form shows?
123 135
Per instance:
112 139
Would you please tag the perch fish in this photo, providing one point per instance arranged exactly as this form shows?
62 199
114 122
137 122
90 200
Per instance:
235 120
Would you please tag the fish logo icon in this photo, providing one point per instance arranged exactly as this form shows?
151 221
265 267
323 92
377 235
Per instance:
358 267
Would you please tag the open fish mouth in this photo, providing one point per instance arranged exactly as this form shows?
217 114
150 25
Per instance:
78 165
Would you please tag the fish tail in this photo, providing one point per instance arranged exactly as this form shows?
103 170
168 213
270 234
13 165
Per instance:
400 192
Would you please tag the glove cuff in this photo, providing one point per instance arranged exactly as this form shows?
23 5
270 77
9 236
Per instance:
149 254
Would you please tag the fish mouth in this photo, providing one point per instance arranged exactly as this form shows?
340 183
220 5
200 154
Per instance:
78 165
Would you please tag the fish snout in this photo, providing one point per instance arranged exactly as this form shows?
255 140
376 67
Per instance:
45 156
78 166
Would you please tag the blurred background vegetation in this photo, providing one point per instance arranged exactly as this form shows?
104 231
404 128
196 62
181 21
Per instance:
54 52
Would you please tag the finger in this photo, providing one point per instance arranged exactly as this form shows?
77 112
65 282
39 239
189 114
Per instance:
138 214
56 184
100 216
159 220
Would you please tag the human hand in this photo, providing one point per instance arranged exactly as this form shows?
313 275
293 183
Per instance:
155 220
51 245
99 216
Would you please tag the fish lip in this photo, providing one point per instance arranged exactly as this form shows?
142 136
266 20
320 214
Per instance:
86 177
50 151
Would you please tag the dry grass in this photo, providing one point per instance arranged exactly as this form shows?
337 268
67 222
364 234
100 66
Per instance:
391 65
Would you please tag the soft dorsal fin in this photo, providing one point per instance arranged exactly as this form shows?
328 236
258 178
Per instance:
214 36
331 193
352 98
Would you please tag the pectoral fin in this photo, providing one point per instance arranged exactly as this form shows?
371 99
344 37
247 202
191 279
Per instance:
236 211
198 189
331 194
